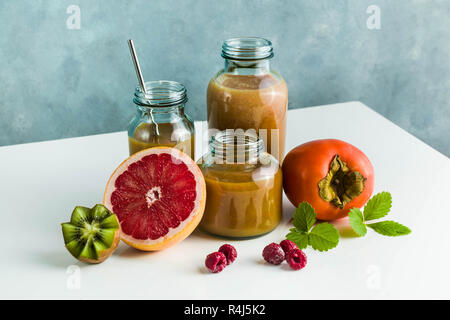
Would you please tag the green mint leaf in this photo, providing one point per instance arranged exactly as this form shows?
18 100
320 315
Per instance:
355 218
299 238
323 237
390 228
378 207
304 217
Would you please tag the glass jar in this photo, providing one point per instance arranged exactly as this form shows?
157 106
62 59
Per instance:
247 94
160 119
243 184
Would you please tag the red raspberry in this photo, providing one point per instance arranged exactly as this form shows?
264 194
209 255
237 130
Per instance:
296 259
229 251
273 253
216 262
287 245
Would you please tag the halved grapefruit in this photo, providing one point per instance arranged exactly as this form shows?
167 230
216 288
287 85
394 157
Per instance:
158 195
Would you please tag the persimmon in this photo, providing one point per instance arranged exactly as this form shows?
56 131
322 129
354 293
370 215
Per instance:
333 176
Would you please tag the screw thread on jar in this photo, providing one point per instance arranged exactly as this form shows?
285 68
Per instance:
161 93
250 48
236 146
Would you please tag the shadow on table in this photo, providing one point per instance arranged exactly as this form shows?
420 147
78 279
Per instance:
203 235
125 251
58 259
344 228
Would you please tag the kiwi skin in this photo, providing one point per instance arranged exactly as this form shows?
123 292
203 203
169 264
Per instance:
98 216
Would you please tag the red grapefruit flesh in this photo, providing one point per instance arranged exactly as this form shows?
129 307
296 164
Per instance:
158 195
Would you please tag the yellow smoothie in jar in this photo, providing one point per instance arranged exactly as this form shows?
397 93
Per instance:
144 137
160 119
242 203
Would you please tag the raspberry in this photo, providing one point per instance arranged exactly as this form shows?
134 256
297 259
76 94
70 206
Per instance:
296 259
287 245
229 251
216 262
273 253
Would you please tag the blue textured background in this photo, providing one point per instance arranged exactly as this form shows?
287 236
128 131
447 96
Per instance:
56 82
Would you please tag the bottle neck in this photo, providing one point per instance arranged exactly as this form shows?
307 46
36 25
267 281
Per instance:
243 67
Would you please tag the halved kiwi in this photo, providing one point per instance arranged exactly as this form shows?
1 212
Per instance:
92 235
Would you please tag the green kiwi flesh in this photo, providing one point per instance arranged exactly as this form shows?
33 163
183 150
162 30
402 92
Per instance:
92 235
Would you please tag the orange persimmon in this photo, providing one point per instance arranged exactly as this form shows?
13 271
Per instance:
333 176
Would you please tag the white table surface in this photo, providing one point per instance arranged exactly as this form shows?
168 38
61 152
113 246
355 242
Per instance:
40 183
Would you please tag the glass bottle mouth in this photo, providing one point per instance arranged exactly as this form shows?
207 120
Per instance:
160 93
236 146
250 48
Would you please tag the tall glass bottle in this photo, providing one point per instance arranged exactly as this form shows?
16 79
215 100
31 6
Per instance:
248 94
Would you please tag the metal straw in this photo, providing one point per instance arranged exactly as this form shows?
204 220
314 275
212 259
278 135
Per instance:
137 67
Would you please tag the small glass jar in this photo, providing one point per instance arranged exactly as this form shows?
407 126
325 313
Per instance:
248 94
160 118
243 184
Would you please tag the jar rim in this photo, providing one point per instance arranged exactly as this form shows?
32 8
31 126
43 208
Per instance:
160 93
237 144
247 48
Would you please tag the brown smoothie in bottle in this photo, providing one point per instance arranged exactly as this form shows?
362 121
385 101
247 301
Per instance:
250 102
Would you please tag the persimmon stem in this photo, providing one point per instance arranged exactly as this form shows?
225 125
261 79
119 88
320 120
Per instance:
341 185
